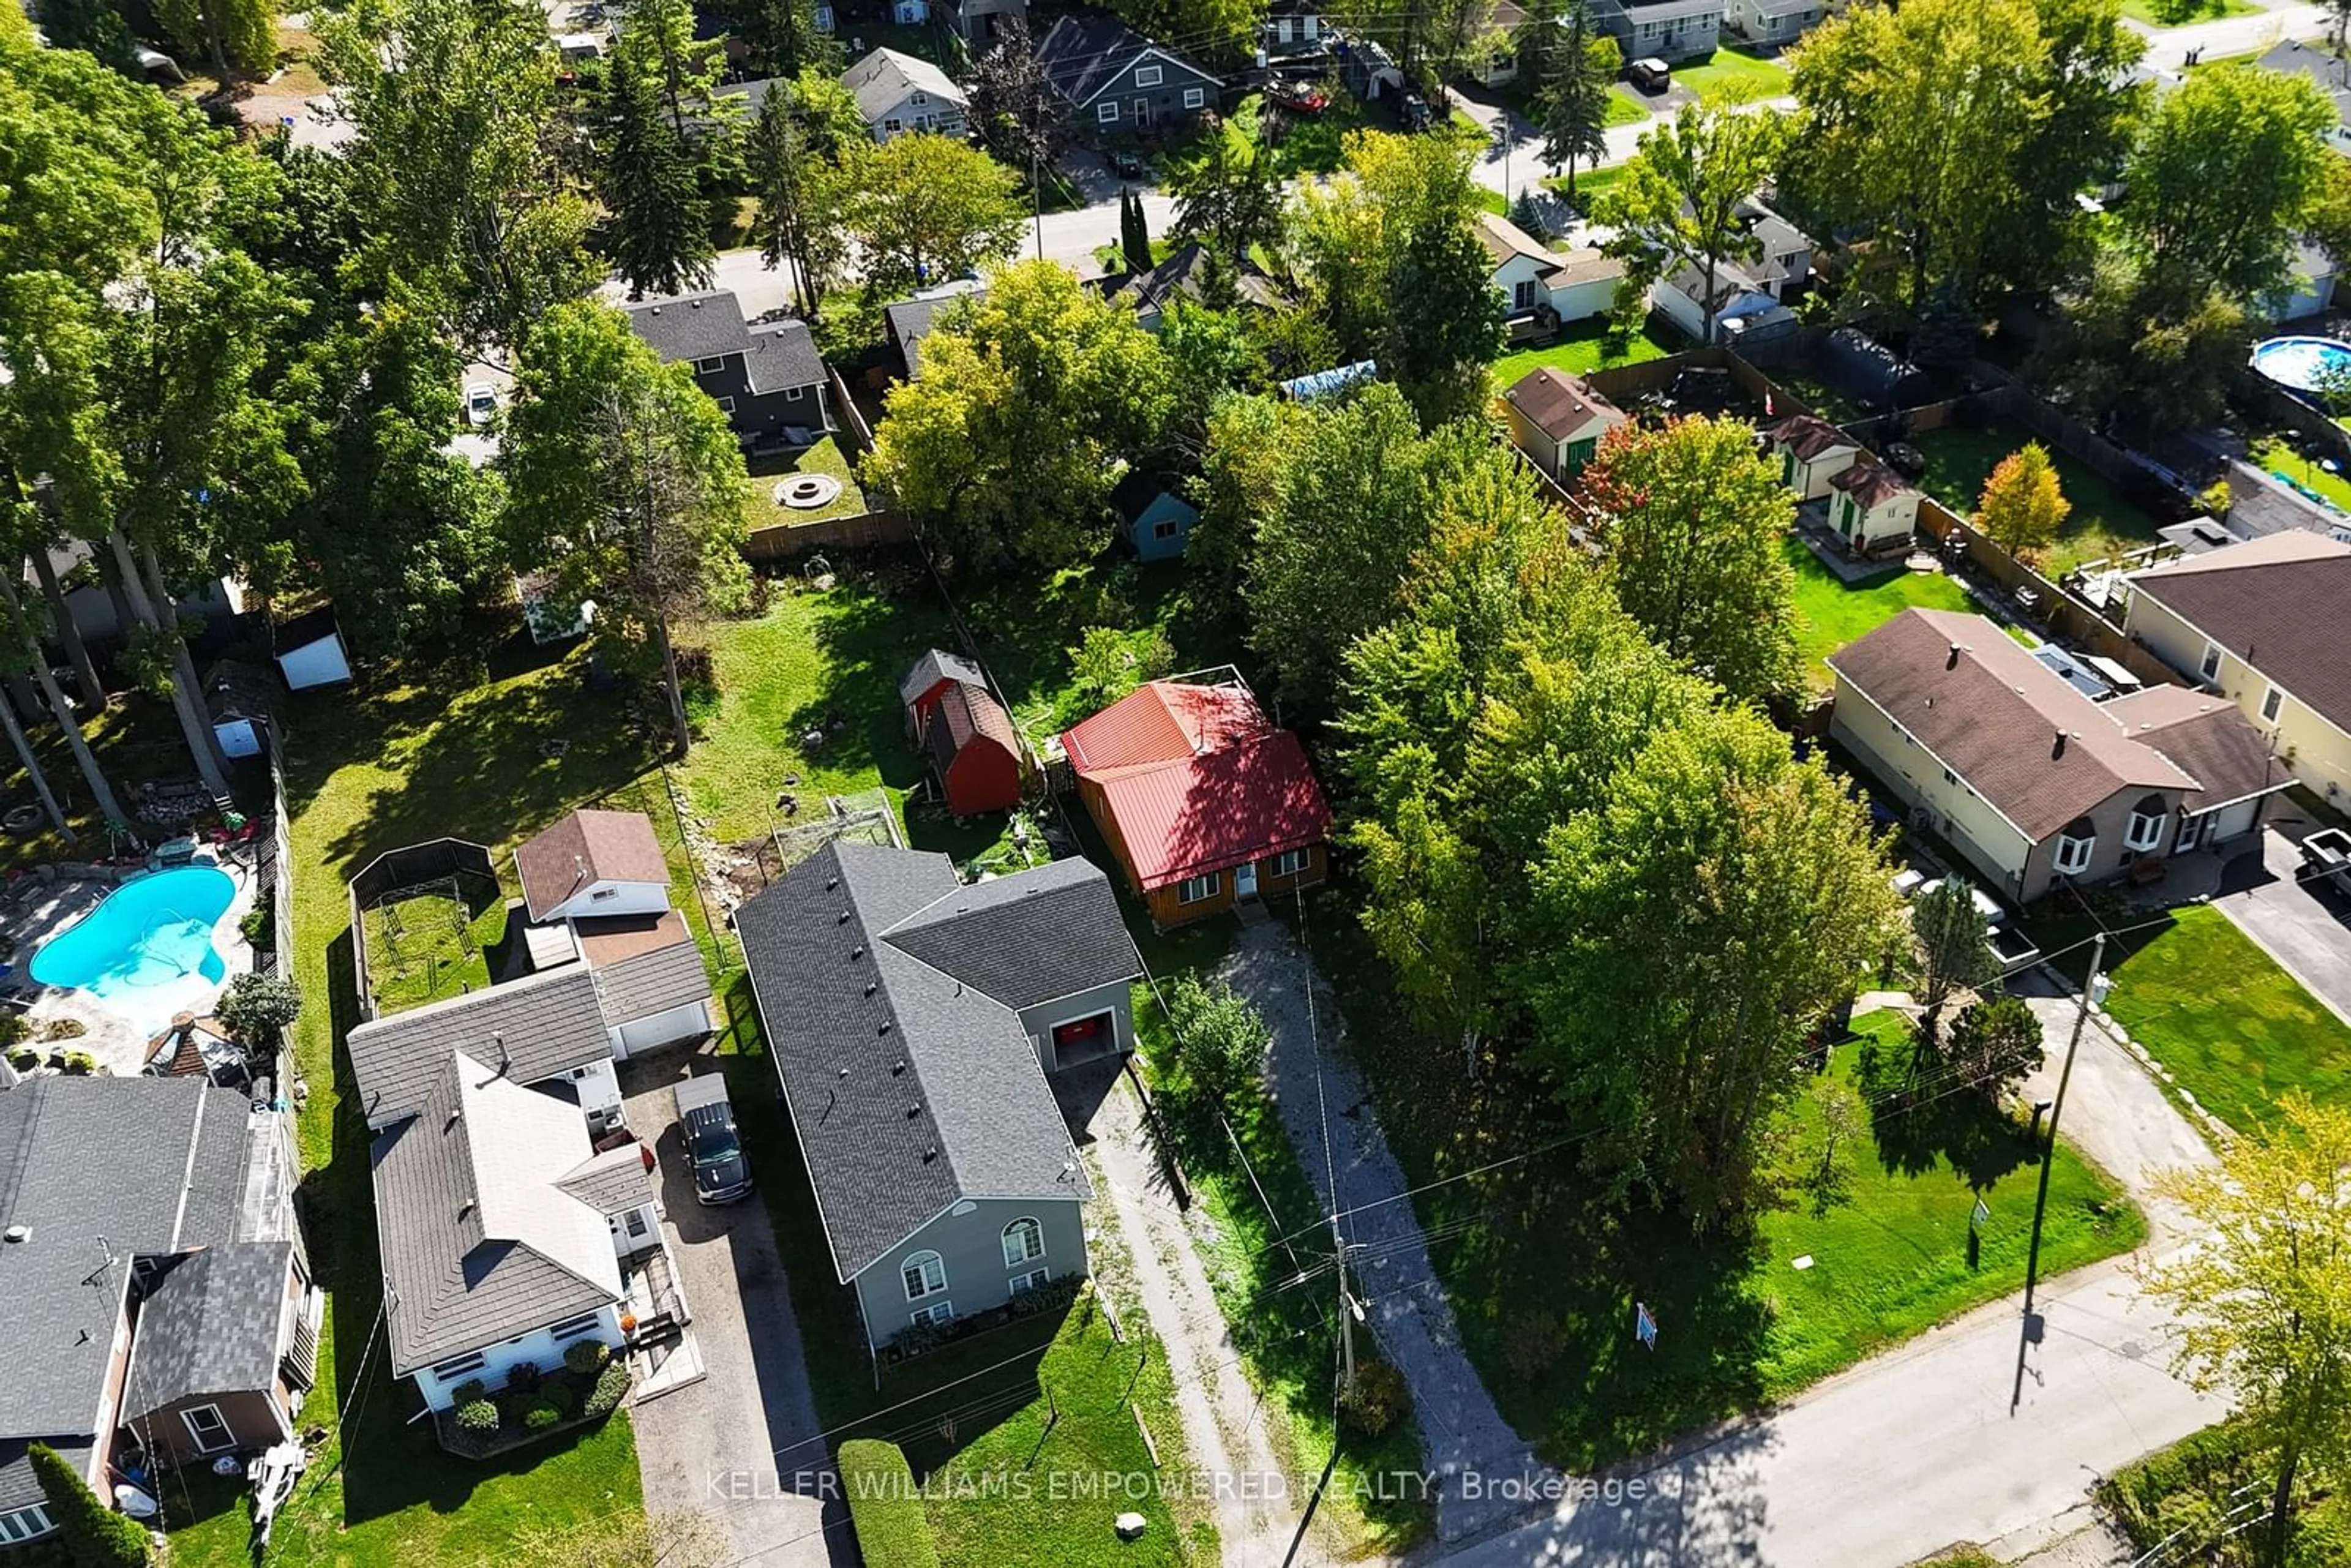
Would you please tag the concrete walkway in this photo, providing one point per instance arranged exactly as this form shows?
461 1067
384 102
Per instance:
1478 1460
1256 1504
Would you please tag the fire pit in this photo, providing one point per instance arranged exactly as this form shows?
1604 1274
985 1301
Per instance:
807 492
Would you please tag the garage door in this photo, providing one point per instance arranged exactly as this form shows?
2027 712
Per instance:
660 1028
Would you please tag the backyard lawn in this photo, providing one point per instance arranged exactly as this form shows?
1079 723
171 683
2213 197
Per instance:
760 507
1580 349
2181 12
1831 613
1739 1324
1728 76
2231 1028
2271 455
1960 458
433 941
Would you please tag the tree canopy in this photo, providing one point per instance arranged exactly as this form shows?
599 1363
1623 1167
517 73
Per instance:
923 208
1679 201
2227 173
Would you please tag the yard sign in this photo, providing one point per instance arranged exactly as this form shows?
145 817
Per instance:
1644 1325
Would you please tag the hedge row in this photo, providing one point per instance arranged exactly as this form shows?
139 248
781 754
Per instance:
892 1528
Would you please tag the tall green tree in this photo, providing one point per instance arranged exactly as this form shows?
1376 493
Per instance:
1351 233
1577 78
1445 320
924 208
1677 201
2264 1299
801 192
95 25
781 38
1031 398
657 231
460 165
1954 952
1133 235
1250 447
2226 175
2022 504
1013 104
1227 194
1692 521
626 483
95 1536
2142 351
233 35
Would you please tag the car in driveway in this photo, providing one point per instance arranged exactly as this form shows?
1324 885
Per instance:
1652 76
481 403
722 1172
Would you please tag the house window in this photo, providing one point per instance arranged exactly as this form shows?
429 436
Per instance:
208 1427
1036 1279
708 366
1525 294
892 126
1311 27
1195 97
725 405
1107 113
2075 843
24 1524
924 1274
572 1328
603 893
1146 75
2272 701
1289 862
939 1313
794 395
918 100
1165 529
2146 820
2210 667
1024 1242
1199 889
637 1226
457 1365
1282 31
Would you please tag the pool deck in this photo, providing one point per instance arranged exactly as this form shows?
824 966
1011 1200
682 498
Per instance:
114 1034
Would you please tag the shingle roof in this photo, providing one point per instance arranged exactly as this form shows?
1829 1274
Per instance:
966 713
587 847
1083 55
152 1166
211 1325
1869 482
883 78
2039 751
911 322
705 326
19 1487
654 979
613 1182
2277 604
1198 780
1184 276
1504 239
1584 265
1032 936
933 666
1558 404
479 1241
2207 736
910 1089
1808 436
783 356
547 1023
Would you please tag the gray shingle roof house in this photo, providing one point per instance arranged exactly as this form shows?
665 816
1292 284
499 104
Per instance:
768 379
161 1291
1669 30
913 1020
545 1026
898 93
909 321
1116 79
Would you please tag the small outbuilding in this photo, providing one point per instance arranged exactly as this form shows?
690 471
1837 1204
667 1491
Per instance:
1811 452
237 697
1154 518
1873 511
1558 420
310 650
964 734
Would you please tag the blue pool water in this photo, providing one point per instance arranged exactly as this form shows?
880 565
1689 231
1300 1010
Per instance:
150 931
2302 363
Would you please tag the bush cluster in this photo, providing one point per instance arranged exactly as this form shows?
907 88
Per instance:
477 1416
612 1387
586 1357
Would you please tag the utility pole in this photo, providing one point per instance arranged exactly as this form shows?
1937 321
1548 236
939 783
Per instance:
2049 1157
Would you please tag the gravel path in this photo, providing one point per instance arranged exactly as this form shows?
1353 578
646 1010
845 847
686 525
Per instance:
1257 1506
1479 1461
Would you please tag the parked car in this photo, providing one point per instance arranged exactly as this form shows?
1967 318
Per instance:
722 1173
1298 97
1125 164
1650 75
481 403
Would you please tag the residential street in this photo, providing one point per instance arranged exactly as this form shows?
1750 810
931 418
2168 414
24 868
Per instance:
1320 1097
731 1446
2167 47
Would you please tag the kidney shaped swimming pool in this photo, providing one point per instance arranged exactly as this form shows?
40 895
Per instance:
152 931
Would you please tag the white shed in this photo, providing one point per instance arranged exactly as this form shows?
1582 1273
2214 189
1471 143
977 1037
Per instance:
310 650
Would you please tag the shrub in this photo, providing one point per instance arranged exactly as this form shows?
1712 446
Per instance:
64 1029
24 1057
525 1377
612 1387
95 1536
1050 1296
80 1063
541 1416
918 1338
884 1506
469 1391
477 1416
562 1395
1536 1341
1377 1399
587 1357
13 1028
257 1008
259 926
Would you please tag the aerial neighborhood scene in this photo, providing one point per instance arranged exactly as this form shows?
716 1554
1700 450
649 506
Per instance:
1194 783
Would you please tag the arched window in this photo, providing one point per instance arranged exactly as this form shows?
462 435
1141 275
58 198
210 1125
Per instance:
2076 842
2146 820
925 1275
1024 1242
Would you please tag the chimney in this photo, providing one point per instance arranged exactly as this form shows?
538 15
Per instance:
1952 663
2058 750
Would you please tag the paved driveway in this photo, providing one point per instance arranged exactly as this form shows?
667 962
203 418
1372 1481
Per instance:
710 1447
2301 928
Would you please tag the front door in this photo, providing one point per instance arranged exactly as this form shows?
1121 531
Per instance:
208 1427
1245 881
1143 111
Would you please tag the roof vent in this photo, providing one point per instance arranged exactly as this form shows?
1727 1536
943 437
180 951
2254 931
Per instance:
831 883
843 918
464 1207
17 1234
2059 749
1952 663
930 1154
884 1028
844 1073
897 1067
916 1109
857 952
870 987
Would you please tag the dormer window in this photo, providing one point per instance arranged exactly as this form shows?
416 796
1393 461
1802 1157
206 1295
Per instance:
918 100
2146 822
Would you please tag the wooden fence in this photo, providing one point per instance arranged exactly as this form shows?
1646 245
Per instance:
860 530
2059 612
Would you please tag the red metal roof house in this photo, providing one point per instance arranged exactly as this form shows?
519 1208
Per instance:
964 733
1203 800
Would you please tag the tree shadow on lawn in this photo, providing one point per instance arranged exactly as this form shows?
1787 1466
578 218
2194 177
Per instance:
869 640
1929 1126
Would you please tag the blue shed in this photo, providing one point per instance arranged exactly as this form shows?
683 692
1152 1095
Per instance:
1154 517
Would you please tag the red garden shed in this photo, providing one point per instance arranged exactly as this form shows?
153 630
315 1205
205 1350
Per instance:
964 732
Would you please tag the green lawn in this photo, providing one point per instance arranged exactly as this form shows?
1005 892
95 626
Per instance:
1542 1280
1580 349
1589 183
2271 455
434 942
2231 1028
2181 12
1960 458
760 507
1820 397
1830 613
1626 107
1728 77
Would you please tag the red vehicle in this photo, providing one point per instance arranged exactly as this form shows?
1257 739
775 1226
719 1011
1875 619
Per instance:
1298 97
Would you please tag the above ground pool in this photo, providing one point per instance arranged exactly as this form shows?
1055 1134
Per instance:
2304 363
153 931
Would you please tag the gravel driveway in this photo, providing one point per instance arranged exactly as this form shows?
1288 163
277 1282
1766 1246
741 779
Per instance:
735 1446
1403 1300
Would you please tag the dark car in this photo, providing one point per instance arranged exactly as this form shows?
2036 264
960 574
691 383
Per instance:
1125 164
722 1173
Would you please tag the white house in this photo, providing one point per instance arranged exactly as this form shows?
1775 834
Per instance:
898 93
600 880
1574 284
1810 451
1773 22
1872 509
590 863
1679 295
